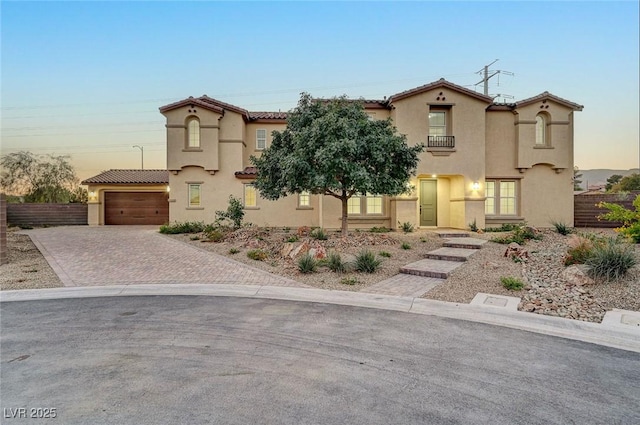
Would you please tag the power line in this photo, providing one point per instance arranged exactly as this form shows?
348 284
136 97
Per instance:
80 134
83 126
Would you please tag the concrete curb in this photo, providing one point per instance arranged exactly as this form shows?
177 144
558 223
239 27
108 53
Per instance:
609 333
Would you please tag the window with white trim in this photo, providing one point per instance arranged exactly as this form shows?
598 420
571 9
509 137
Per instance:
195 191
364 205
304 199
437 123
261 139
193 133
250 196
542 138
501 197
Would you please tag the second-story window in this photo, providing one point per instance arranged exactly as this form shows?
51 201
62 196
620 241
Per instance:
437 123
193 133
261 139
541 130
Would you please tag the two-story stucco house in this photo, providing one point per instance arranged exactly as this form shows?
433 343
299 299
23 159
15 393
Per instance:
485 162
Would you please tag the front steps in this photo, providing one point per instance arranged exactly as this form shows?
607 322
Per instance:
440 262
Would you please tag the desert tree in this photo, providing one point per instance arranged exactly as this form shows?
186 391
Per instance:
332 147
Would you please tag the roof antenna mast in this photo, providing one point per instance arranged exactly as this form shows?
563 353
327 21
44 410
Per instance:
487 74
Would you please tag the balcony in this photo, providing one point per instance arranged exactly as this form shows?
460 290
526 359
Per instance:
441 142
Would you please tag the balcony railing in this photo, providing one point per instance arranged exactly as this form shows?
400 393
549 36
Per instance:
441 142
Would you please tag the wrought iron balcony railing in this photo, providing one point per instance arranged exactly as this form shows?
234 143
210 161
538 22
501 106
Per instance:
441 142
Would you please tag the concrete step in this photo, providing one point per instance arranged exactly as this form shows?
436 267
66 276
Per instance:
451 254
431 268
468 243
404 285
451 233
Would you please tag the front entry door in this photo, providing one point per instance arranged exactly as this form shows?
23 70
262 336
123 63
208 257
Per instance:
428 203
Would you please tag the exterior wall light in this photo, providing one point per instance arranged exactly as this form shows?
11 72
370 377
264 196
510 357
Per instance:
168 189
475 185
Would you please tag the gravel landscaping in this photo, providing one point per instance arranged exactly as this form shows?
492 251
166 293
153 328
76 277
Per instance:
548 288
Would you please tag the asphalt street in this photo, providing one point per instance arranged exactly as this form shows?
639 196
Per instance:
218 360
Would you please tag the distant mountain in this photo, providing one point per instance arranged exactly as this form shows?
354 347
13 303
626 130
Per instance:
600 176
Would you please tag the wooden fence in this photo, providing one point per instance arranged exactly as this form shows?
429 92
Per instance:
586 211
47 214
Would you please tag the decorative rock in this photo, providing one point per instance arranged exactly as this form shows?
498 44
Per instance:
300 249
514 250
576 276
287 248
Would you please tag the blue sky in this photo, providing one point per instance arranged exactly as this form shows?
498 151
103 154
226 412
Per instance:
87 78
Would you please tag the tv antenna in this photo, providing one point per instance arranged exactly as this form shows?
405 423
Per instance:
487 74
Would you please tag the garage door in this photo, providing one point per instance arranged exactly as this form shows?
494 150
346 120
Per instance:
136 208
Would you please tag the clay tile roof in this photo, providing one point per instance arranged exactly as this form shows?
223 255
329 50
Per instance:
268 115
130 177
546 95
192 101
440 83
247 173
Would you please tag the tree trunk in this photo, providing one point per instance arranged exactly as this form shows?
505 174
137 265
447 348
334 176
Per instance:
345 228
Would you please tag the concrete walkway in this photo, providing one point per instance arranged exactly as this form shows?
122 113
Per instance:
116 255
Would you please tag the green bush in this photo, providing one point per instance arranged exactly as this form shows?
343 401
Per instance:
562 228
473 226
233 214
579 250
335 263
384 254
406 227
234 251
319 234
520 235
184 227
307 264
292 239
512 283
214 235
405 245
610 260
630 219
507 227
380 230
257 254
366 262
194 237
348 280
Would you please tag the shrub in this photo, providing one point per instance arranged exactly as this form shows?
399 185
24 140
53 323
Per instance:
380 230
630 219
319 234
610 260
507 227
367 262
257 254
473 226
293 238
233 214
512 283
335 263
384 254
348 280
307 264
520 235
234 251
562 228
214 235
194 237
405 245
579 250
184 227
406 227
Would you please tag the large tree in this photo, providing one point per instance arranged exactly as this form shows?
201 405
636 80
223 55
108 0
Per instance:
40 178
332 147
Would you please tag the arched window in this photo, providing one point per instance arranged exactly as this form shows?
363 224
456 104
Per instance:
541 130
193 133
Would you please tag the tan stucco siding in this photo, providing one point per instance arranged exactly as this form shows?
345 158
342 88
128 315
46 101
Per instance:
547 196
251 146
501 151
178 154
559 151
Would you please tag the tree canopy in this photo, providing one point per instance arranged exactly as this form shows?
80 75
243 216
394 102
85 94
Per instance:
332 147
40 178
612 181
627 183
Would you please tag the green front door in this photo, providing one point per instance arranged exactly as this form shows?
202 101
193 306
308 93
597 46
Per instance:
428 203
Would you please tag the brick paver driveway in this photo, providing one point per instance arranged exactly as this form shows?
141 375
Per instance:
116 255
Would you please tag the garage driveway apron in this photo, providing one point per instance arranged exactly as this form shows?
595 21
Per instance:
117 255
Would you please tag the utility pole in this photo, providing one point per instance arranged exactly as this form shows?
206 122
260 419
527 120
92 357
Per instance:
141 155
488 74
